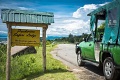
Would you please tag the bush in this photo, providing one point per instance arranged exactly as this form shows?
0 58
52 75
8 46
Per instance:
2 61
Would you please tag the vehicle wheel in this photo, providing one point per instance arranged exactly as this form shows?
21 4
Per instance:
109 71
76 48
79 59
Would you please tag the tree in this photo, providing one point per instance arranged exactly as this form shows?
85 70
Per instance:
102 26
71 38
100 31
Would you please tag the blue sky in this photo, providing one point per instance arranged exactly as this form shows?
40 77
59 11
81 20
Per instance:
70 15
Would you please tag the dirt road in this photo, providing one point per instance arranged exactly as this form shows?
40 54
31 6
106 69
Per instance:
66 54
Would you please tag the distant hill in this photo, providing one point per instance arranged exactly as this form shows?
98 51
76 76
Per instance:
3 39
53 37
3 34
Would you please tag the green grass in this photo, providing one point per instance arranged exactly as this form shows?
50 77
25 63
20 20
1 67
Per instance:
29 66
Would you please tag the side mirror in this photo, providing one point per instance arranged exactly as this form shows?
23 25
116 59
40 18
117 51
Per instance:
84 39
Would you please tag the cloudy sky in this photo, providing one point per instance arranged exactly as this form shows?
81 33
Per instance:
70 16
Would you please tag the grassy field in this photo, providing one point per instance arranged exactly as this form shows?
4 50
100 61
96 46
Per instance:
29 66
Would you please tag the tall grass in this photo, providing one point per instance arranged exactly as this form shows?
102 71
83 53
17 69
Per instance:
2 61
29 66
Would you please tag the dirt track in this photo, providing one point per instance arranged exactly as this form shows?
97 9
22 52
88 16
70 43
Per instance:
66 54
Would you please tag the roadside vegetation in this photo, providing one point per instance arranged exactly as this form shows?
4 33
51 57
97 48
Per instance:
72 38
29 66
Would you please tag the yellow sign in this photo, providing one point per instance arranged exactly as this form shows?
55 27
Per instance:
25 37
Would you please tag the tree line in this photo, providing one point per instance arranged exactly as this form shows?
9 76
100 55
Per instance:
72 38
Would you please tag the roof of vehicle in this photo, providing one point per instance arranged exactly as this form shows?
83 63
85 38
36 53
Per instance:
108 6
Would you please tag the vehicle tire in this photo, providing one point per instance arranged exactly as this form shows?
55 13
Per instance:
76 48
109 70
79 59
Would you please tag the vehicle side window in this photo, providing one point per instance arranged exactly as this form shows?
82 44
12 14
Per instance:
90 38
112 17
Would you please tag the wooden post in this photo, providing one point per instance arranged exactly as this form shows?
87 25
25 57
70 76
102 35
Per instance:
44 48
8 61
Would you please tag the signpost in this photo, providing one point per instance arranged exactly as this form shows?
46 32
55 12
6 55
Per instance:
25 37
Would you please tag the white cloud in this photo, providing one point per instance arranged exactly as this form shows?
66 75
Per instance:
3 26
89 6
77 14
76 24
83 11
67 26
103 4
57 32
3 32
24 8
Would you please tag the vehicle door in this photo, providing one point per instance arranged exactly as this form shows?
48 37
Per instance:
89 48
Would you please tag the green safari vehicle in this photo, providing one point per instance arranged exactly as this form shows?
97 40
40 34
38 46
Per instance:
102 46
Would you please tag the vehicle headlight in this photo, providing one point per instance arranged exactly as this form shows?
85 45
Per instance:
77 45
